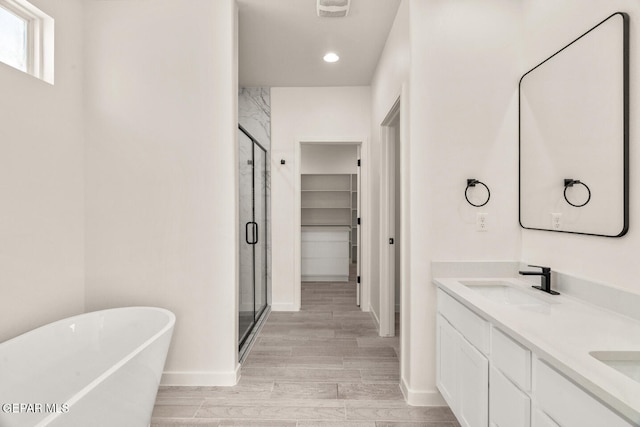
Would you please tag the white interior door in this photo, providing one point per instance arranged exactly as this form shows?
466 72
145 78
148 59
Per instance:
359 230
389 230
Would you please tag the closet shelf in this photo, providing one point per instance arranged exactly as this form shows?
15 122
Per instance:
326 207
326 191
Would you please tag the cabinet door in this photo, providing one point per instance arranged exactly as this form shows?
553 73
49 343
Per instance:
567 403
473 386
446 370
540 419
508 406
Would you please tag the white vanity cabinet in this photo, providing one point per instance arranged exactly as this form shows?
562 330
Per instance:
463 370
490 379
479 394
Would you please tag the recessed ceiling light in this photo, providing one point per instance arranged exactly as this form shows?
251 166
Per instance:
331 57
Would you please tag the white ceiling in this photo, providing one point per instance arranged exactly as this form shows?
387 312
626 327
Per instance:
282 42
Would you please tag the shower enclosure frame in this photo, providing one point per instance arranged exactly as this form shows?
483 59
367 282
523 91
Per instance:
250 232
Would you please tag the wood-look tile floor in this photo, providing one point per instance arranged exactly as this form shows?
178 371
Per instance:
324 366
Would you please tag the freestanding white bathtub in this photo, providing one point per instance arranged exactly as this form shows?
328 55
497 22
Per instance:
99 369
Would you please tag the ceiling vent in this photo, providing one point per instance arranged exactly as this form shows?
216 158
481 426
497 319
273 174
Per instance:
333 8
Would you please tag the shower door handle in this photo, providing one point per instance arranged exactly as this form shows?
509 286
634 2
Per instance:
254 232
246 232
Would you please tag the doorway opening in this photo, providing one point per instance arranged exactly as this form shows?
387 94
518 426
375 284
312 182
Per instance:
391 215
330 197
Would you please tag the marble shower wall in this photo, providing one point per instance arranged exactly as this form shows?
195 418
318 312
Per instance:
254 105
254 114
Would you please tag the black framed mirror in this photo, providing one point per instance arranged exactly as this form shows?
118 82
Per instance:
574 135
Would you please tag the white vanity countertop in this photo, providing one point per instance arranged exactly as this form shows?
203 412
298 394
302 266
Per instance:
562 333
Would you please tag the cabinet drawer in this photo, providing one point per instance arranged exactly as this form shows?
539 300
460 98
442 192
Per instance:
511 358
508 406
567 403
470 325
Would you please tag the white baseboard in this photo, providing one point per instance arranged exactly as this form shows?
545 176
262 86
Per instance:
421 397
201 378
285 307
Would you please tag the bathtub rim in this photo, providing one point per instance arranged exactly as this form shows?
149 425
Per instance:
168 327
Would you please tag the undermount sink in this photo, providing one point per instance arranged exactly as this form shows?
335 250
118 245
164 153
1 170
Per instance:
503 293
625 362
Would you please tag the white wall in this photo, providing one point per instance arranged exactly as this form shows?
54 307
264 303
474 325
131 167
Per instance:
41 171
329 159
391 74
304 114
548 26
465 62
391 82
161 184
463 124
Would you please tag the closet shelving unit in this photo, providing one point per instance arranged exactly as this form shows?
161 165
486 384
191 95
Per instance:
329 239
354 219
326 199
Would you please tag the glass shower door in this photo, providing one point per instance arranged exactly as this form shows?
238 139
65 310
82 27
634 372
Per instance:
246 304
260 219
253 233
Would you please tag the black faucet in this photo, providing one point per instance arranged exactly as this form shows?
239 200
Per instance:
545 277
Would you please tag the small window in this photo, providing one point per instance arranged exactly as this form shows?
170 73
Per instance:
13 40
26 38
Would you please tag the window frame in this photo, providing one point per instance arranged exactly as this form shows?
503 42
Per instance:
39 37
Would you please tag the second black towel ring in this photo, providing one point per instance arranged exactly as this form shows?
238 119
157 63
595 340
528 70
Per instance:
568 182
472 183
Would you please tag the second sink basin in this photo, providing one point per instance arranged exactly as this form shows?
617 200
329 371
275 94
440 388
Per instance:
503 293
625 362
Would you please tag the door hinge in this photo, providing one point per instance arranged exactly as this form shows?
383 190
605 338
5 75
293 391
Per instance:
358 279
358 162
358 221
391 240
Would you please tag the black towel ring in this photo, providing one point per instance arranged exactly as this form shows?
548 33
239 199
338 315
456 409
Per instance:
472 183
568 182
